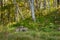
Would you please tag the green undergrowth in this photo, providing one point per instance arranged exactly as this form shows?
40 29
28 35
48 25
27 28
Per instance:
31 35
43 23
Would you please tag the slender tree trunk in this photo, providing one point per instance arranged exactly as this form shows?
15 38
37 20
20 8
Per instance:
55 3
16 10
8 15
20 12
41 4
48 4
37 4
1 1
58 3
44 4
32 9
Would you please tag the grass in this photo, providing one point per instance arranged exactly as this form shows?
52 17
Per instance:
32 35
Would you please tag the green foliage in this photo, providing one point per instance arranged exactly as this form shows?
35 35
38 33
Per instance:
43 23
45 27
32 35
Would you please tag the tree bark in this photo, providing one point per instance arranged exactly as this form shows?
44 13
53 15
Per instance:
32 9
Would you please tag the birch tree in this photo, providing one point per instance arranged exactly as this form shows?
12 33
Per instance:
32 9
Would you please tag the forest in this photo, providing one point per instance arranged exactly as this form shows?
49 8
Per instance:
29 19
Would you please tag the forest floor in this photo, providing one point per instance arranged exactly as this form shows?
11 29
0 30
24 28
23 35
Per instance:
31 35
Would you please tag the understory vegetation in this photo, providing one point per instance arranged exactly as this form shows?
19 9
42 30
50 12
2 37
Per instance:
29 20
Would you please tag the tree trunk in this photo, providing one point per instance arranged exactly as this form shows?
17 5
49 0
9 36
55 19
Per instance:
55 3
32 9
44 4
16 10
